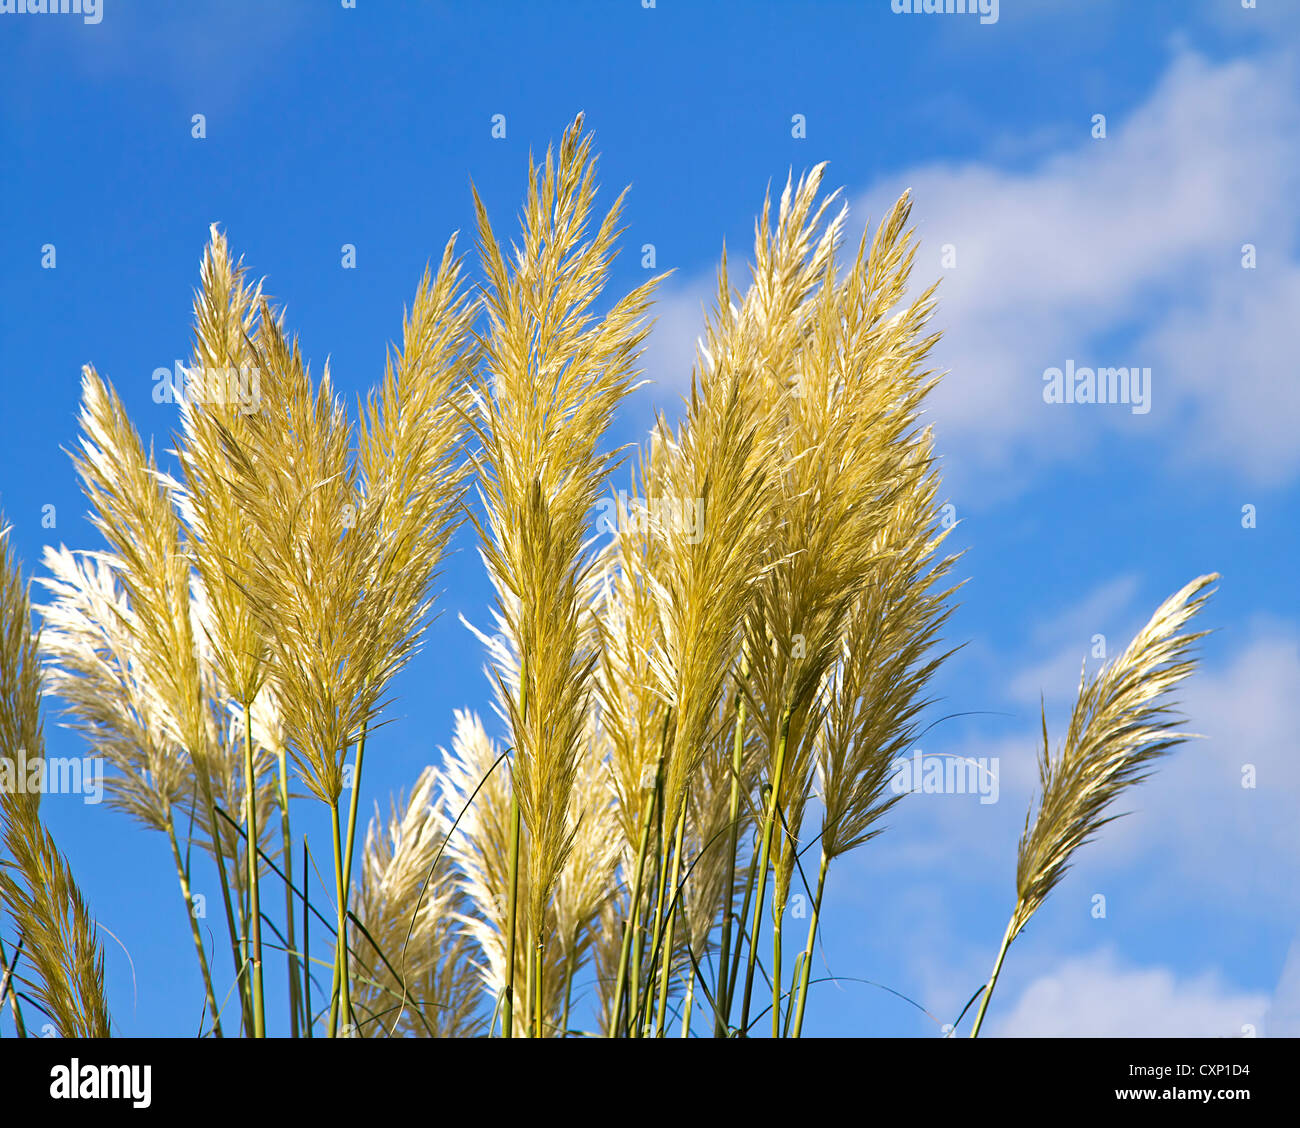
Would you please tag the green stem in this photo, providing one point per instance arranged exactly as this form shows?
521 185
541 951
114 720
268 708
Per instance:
512 912
219 857
530 966
254 891
644 1000
342 995
794 981
633 934
740 935
667 950
1007 937
806 969
620 982
769 826
539 1027
342 970
309 1020
295 987
634 908
353 803
184 880
723 1018
778 912
20 1028
690 999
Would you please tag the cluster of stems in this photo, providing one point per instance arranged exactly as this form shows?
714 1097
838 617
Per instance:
644 985
245 917
657 978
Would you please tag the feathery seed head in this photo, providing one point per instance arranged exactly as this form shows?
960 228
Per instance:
1119 727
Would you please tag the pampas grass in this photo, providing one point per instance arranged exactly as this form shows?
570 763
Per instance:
552 375
408 905
1120 727
686 705
59 937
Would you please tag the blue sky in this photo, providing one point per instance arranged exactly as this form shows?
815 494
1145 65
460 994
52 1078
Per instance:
327 126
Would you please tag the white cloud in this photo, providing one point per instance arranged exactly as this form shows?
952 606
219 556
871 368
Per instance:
1097 996
1236 357
1124 252
1226 844
1283 1017
670 349
1069 636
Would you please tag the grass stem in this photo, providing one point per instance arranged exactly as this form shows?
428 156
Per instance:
723 1016
621 986
309 1020
686 1006
245 1007
667 951
184 880
295 986
741 937
769 826
20 1028
1007 937
342 999
512 913
539 1026
254 885
805 969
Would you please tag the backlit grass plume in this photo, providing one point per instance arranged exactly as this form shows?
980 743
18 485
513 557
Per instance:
133 509
1119 728
58 935
343 545
91 639
552 374
411 973
161 655
91 645
844 400
476 787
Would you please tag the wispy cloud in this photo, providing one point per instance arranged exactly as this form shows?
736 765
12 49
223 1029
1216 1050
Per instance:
1219 822
1100 996
1283 1017
1068 640
669 354
1125 251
